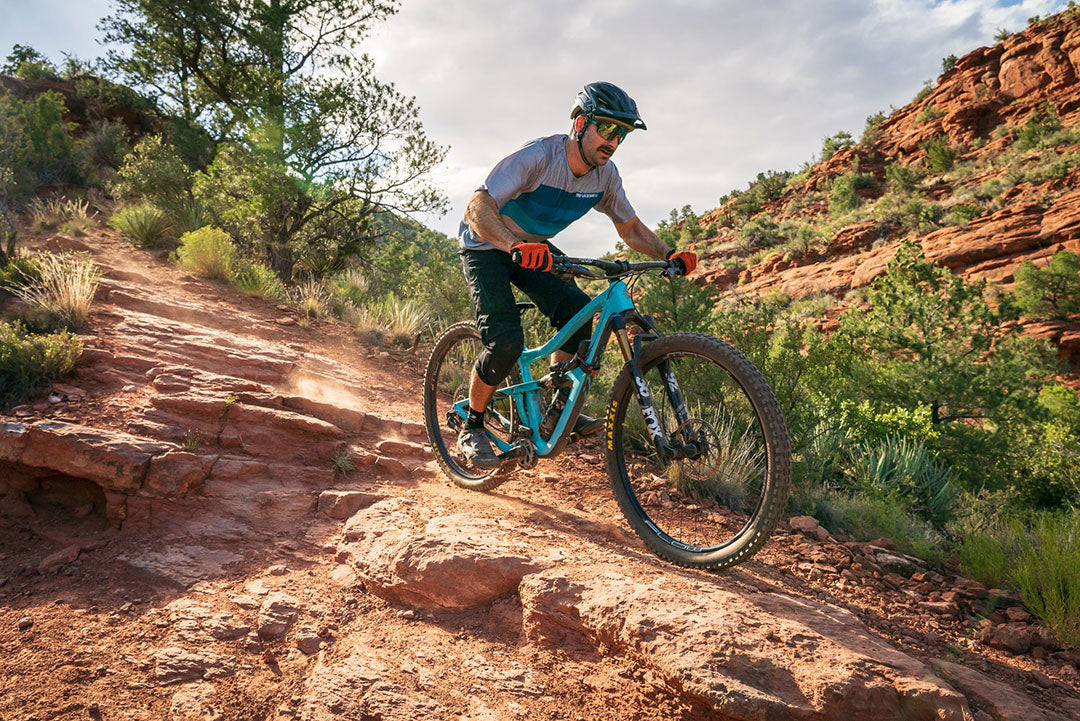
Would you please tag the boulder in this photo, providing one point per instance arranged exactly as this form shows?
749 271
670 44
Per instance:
762 656
342 504
276 614
62 557
457 561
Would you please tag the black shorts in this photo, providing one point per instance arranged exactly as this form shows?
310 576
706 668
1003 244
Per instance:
490 274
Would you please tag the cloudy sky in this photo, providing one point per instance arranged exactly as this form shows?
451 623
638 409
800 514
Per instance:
728 88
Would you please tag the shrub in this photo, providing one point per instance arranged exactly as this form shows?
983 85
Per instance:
1046 571
256 280
843 197
869 516
919 214
962 213
404 319
46 214
901 177
1002 35
928 113
106 143
989 190
154 171
78 222
64 288
1050 292
144 225
940 156
948 63
761 232
836 142
872 129
925 90
28 362
1042 124
207 252
18 272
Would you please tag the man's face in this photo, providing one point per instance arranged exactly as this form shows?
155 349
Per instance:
597 149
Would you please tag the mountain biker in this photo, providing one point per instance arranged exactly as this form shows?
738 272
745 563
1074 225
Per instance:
528 197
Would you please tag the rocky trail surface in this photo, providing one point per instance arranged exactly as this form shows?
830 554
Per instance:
175 543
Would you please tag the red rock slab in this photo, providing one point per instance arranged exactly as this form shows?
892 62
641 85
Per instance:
760 656
1002 702
350 419
177 472
114 460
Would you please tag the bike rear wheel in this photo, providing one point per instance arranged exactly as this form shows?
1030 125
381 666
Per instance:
718 507
446 382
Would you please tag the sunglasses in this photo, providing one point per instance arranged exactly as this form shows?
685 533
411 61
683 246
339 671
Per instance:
609 130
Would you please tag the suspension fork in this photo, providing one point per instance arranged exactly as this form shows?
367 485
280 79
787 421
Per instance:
631 354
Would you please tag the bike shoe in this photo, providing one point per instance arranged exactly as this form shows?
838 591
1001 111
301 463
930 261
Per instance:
475 446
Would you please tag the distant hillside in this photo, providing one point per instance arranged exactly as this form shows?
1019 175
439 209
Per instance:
981 169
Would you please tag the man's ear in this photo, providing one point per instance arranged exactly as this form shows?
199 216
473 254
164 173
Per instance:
579 124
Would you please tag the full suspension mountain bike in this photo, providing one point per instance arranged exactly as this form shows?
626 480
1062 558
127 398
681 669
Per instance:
701 466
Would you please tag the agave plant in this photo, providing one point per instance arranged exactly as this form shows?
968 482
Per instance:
144 225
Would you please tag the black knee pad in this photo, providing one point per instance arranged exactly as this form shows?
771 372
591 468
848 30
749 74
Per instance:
499 356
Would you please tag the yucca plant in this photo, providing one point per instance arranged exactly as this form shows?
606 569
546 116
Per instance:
259 281
143 224
366 324
63 289
900 465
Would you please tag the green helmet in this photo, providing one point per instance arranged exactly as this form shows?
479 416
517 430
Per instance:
605 100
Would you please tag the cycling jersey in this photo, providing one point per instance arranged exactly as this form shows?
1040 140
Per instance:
534 187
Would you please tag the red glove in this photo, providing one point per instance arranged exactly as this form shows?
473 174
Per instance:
688 258
533 256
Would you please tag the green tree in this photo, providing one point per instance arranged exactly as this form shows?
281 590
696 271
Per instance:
948 63
16 174
836 142
1050 292
929 338
285 80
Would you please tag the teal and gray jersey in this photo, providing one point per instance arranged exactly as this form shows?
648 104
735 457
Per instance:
535 188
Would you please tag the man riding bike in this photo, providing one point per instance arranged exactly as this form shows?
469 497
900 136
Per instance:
527 198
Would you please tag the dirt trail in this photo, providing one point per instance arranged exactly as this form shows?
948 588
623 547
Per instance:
175 543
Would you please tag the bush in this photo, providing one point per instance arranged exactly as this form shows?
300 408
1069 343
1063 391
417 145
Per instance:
869 516
948 63
153 171
258 281
311 298
940 156
872 129
761 232
1042 124
207 252
18 272
404 319
64 288
843 197
144 225
1050 292
79 222
28 362
962 213
928 113
901 177
106 143
833 143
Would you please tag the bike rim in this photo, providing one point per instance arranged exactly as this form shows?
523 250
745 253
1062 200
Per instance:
701 504
447 385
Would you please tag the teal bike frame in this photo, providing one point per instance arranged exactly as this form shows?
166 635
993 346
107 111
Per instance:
612 304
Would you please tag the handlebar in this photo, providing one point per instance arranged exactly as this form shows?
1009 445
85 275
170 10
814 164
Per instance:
613 269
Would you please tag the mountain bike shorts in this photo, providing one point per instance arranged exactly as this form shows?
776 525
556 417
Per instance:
490 273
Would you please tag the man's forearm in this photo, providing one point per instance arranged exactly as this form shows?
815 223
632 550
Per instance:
643 240
482 214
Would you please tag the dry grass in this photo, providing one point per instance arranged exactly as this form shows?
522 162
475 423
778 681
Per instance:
64 288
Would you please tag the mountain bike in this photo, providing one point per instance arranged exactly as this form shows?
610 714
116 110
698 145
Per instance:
701 468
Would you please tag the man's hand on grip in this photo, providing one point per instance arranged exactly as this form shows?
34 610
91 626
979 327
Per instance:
534 256
686 258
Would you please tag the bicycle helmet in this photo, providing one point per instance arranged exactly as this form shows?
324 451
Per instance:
605 100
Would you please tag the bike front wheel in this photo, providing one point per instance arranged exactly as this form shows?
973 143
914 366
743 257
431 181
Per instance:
718 506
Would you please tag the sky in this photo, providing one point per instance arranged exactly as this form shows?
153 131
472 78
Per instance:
728 88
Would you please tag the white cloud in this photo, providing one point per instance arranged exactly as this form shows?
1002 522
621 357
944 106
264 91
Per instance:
728 89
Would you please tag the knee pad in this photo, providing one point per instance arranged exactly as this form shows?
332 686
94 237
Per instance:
499 356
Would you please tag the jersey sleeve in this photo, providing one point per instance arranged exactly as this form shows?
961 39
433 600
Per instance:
614 203
514 173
